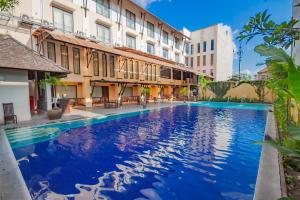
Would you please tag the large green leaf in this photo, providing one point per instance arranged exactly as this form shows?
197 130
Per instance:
294 80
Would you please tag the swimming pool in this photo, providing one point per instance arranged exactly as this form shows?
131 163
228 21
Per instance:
182 152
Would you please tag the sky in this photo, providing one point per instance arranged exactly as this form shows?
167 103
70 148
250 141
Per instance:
196 14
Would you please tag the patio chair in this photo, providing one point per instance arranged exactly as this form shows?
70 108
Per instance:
9 115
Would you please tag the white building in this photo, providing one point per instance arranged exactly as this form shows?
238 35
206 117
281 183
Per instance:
296 15
210 51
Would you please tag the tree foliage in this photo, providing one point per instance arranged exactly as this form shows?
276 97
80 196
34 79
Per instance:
6 5
273 34
220 88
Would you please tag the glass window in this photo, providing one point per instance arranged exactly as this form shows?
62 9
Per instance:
198 61
63 21
51 51
212 59
102 7
96 63
147 71
186 61
112 66
165 72
150 48
165 37
150 29
204 60
204 71
212 45
126 69
177 43
76 60
103 33
204 46
131 69
130 19
137 70
154 71
130 42
187 48
176 74
165 53
192 61
198 48
64 56
104 65
192 49
177 58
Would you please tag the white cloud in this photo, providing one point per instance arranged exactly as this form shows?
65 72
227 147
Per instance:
146 3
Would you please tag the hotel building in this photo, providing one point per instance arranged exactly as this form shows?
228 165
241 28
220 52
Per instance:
114 48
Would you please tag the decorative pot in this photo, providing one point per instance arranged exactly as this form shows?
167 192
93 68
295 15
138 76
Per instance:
55 113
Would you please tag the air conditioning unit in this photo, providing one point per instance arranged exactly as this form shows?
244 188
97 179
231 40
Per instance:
80 34
93 38
47 25
25 19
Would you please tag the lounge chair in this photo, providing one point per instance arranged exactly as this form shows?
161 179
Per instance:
9 115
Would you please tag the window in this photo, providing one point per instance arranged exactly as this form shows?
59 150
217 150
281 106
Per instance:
137 70
204 60
63 21
177 44
130 19
102 7
112 66
165 37
131 69
96 63
186 48
51 51
154 69
211 72
176 74
177 57
150 30
198 48
198 61
165 53
76 60
204 71
126 70
204 46
151 75
192 49
64 56
186 61
104 65
103 33
212 45
165 72
147 71
130 42
192 61
150 48
212 59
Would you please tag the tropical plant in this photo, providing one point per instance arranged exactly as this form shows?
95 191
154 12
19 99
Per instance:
51 81
183 91
6 5
220 88
203 82
273 34
145 91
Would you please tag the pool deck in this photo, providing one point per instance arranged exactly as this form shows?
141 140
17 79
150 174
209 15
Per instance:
270 184
13 187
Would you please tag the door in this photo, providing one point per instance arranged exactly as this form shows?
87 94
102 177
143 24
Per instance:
105 92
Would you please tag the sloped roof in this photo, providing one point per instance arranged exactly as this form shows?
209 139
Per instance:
264 70
15 55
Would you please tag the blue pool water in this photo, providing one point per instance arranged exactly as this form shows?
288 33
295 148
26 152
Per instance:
183 152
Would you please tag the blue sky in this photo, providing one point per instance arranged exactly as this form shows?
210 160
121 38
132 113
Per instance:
195 14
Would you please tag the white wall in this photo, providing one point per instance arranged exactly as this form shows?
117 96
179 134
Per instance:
14 88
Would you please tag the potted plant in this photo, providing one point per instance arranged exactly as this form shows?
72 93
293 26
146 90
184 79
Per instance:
55 112
145 94
184 92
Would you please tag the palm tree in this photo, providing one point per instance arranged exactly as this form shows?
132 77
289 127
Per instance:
6 5
203 82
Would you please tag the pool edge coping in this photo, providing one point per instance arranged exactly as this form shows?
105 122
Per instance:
13 185
270 182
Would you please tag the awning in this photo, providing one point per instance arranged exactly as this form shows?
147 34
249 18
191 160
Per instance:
125 52
15 55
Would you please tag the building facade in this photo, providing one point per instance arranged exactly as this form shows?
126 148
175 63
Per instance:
296 15
114 48
210 51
